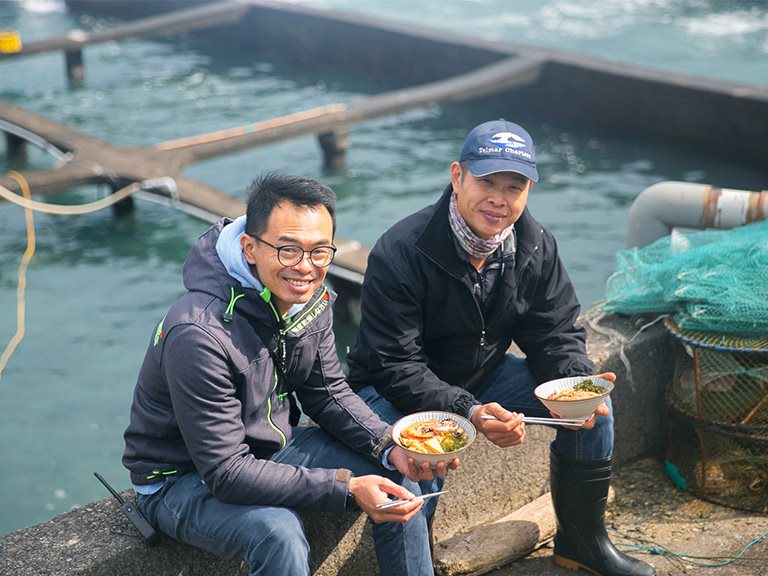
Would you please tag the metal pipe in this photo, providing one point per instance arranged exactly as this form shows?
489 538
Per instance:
667 205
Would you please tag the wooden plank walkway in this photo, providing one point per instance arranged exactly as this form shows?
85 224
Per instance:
496 77
94 161
90 160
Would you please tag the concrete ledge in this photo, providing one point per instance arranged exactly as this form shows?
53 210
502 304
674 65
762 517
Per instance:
638 350
94 540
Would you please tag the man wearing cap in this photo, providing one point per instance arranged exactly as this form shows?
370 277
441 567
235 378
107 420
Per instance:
446 292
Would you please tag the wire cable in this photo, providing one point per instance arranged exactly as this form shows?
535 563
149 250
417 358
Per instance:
22 284
657 549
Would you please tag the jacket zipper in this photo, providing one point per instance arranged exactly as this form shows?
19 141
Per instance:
283 440
276 377
281 359
481 347
482 343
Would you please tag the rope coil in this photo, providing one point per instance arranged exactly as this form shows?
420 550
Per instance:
166 184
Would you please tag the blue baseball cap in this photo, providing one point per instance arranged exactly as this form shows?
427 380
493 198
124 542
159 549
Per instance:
499 146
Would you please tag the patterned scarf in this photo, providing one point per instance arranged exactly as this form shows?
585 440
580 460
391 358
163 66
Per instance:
475 246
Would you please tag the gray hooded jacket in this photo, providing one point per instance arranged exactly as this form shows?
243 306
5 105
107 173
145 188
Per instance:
213 392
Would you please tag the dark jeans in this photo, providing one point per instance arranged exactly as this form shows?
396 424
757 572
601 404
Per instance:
270 538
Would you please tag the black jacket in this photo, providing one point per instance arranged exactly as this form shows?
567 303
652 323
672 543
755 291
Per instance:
213 392
423 341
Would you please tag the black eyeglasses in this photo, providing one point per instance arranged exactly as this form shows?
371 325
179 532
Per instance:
289 255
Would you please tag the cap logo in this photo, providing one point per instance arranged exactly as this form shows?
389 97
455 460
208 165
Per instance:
507 140
499 146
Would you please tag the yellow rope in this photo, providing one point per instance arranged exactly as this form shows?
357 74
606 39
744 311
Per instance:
30 206
20 290
60 210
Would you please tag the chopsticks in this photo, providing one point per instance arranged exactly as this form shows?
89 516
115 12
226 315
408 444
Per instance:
537 420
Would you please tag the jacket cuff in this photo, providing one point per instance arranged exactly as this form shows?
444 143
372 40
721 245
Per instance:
463 405
341 488
384 443
385 459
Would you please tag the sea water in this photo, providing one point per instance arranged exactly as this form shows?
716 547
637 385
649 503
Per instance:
97 285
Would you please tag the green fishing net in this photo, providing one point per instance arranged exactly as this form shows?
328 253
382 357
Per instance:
714 280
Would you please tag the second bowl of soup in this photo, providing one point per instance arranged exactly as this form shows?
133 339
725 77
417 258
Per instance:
574 397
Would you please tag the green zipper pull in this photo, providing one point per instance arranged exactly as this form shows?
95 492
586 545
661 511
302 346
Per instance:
229 312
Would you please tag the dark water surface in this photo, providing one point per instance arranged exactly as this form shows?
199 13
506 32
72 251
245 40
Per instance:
96 285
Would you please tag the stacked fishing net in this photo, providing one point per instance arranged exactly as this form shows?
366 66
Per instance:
715 280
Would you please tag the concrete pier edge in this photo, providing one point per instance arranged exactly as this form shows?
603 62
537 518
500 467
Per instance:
96 539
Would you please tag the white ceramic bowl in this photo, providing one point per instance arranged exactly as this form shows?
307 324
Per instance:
418 457
577 409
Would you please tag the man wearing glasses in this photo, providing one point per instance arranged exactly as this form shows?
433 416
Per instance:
212 445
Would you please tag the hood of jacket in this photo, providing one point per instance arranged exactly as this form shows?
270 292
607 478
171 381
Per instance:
205 272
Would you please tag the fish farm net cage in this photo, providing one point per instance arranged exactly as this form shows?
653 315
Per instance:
718 426
711 280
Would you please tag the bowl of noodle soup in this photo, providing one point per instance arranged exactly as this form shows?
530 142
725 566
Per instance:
433 436
574 397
